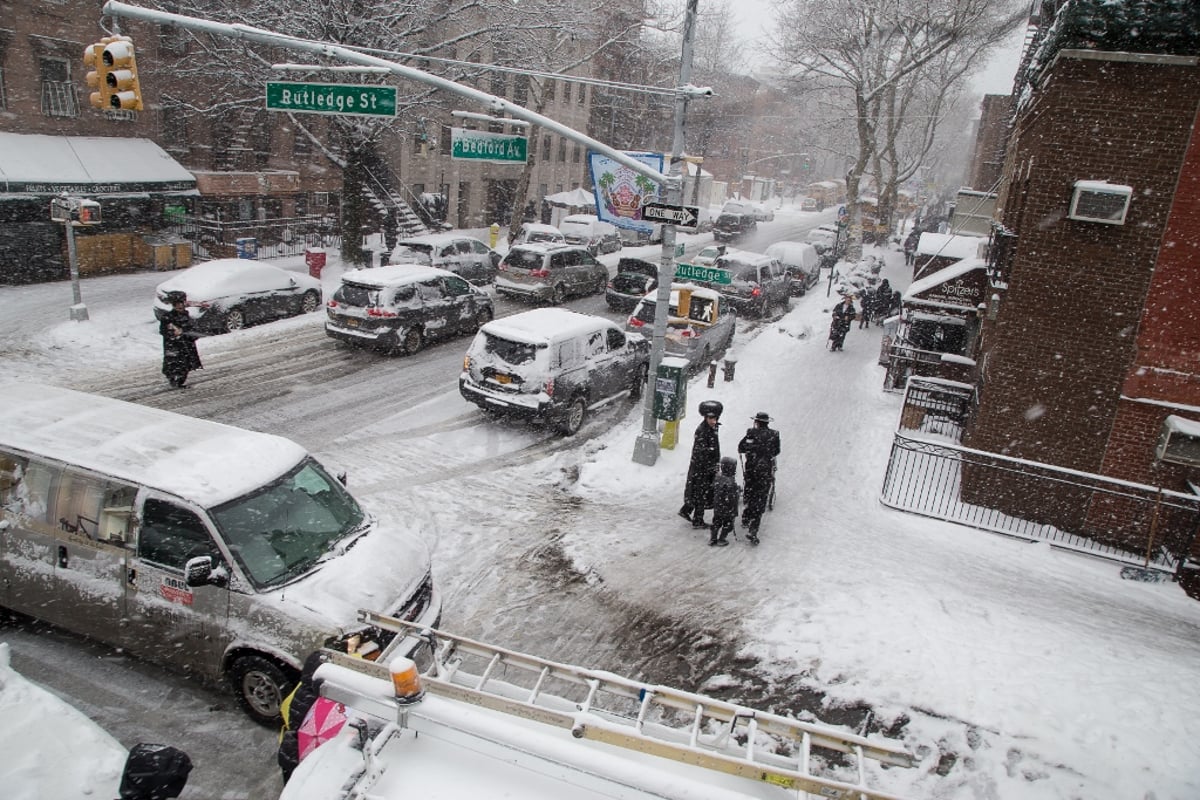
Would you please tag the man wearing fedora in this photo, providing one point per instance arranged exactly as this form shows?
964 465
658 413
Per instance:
760 446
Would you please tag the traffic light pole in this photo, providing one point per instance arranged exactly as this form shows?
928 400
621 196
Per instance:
645 449
79 312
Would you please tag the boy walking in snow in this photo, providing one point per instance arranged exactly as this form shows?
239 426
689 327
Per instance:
725 502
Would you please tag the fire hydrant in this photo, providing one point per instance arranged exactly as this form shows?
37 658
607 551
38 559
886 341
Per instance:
493 235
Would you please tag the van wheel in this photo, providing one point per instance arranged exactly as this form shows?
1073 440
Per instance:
235 319
573 421
260 685
412 340
639 382
558 294
602 284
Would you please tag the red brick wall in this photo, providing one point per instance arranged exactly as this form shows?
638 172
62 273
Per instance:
1054 361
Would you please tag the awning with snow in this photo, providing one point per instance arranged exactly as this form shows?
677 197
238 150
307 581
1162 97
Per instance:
960 286
575 198
33 165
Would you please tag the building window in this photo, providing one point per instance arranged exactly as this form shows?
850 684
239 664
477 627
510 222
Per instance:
577 154
499 84
521 89
174 128
581 95
562 150
173 40
444 143
59 95
3 96
566 91
301 144
546 147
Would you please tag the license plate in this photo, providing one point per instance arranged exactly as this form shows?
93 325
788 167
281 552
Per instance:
351 322
506 379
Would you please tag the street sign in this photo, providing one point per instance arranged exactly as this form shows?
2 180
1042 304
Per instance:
683 216
501 148
332 98
695 272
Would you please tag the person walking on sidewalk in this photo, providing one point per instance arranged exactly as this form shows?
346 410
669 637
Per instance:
725 502
760 446
843 315
706 455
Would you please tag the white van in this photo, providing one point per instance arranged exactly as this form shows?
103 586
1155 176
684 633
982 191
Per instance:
589 231
802 262
222 552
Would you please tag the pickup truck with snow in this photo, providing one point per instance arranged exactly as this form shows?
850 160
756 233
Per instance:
464 719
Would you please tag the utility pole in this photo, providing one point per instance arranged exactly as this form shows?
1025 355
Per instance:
645 450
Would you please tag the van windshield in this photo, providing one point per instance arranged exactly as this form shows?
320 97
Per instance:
284 528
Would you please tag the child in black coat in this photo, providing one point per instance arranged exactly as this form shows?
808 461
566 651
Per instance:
725 502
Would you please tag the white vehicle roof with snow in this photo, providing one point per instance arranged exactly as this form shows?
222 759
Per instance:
395 275
543 325
202 461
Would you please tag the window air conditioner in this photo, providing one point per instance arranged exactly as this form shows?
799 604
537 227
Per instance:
1100 201
1179 442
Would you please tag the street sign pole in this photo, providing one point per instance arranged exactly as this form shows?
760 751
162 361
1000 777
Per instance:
645 449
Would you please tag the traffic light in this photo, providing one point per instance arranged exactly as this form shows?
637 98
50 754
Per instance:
119 70
93 59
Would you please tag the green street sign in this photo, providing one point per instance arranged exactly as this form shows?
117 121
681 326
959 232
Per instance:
332 98
502 148
695 272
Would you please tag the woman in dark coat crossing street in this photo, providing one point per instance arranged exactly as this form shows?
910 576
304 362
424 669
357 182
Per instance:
706 456
180 355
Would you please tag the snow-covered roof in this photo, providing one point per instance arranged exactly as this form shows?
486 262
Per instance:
949 245
205 462
93 165
395 274
542 325
574 198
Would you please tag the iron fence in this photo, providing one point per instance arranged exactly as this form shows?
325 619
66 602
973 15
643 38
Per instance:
274 238
936 406
1123 521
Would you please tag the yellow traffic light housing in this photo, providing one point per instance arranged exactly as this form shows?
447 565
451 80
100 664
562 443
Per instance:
97 81
119 70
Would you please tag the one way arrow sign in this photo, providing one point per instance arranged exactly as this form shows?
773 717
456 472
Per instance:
683 216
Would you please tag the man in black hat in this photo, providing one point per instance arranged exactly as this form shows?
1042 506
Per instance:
760 446
180 355
706 455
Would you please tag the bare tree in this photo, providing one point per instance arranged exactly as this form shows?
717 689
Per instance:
868 49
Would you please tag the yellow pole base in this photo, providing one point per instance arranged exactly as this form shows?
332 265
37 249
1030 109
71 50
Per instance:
670 434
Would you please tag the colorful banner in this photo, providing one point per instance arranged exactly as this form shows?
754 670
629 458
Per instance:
621 193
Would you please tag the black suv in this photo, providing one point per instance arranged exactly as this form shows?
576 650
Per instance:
729 227
635 277
757 282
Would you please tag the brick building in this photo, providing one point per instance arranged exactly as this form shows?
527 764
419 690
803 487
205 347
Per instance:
991 136
1092 338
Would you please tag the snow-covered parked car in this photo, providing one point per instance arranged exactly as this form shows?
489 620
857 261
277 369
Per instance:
230 293
550 272
802 262
699 325
537 233
587 230
465 256
709 255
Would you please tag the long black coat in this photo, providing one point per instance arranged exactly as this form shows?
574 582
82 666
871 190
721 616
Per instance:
843 315
180 355
706 456
760 446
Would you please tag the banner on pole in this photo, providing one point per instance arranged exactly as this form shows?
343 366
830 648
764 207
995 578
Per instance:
621 193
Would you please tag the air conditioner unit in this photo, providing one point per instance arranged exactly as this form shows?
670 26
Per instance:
1100 201
1179 442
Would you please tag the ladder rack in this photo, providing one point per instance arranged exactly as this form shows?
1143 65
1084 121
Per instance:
658 720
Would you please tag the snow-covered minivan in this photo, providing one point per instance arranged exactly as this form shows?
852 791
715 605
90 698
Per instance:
222 552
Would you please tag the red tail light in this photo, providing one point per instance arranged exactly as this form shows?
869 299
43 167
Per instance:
540 273
687 333
380 312
503 266
332 304
634 322
550 387
756 291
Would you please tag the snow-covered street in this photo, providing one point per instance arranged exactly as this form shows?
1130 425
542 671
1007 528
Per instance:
1013 670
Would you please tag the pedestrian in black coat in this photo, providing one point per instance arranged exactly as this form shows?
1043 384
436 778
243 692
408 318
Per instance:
180 355
843 315
759 446
725 502
706 455
882 301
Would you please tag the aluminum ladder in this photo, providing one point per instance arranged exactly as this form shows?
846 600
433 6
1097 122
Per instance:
658 720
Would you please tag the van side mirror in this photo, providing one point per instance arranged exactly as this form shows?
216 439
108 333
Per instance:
198 571
154 771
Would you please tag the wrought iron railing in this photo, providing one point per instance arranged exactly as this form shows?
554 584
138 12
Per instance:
1119 520
936 407
212 238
